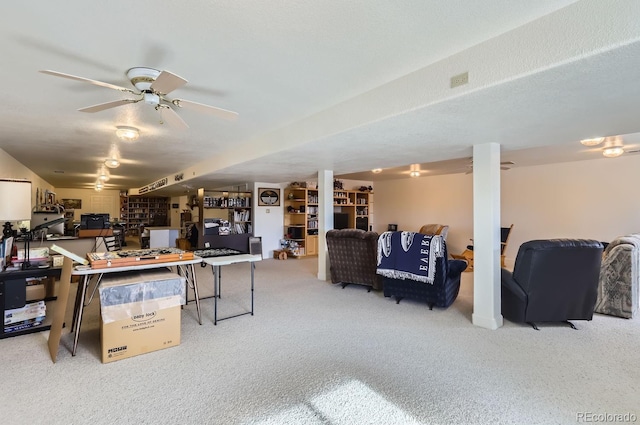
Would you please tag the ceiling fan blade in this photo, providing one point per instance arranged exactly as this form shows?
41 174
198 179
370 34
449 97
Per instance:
167 82
507 163
505 168
87 80
207 109
102 106
169 115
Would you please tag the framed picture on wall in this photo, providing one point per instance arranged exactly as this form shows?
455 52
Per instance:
268 197
175 206
72 204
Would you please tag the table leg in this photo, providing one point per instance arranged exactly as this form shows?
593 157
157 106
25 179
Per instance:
216 291
78 316
253 266
195 292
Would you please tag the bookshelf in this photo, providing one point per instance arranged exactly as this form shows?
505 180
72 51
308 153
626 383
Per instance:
15 298
138 211
234 207
301 218
356 205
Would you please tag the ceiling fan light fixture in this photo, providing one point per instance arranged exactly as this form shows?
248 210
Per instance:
376 170
142 77
415 173
99 186
592 142
127 134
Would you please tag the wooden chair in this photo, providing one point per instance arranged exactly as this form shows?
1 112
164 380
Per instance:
435 229
505 232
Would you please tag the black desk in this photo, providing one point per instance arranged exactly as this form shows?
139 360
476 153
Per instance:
13 289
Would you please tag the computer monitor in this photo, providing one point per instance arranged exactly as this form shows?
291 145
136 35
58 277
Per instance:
94 221
40 221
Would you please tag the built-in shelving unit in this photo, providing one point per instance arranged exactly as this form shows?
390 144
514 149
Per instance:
353 209
234 207
139 211
301 218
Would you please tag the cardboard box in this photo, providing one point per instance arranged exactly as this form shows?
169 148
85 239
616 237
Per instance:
140 313
145 328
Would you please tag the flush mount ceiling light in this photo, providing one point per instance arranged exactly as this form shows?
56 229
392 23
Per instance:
376 170
114 157
103 174
127 134
99 186
613 147
592 142
414 170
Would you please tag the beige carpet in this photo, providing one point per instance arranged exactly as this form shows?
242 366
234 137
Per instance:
315 353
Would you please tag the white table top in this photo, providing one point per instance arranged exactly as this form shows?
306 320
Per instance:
230 259
141 266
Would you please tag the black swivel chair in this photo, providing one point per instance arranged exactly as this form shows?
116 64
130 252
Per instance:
552 281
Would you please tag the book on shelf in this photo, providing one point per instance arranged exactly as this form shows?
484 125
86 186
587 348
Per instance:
29 311
25 324
11 319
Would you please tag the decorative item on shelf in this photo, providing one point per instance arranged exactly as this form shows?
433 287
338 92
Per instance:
366 189
290 196
337 184
295 185
193 202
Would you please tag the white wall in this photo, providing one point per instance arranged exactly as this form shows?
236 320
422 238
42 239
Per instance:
10 168
268 222
105 201
593 199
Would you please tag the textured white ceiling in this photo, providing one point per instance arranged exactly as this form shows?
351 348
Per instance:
347 86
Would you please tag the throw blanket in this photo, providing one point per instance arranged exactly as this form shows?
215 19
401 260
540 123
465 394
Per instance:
409 255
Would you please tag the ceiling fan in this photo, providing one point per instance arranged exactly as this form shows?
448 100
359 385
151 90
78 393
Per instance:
503 166
152 87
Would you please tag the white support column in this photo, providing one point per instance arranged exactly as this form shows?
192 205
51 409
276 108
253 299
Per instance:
325 220
486 236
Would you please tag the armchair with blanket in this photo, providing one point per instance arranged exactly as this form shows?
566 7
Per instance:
416 266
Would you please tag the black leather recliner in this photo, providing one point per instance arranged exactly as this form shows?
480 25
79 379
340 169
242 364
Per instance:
552 281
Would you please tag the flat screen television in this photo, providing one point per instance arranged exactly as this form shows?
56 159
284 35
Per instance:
340 220
94 221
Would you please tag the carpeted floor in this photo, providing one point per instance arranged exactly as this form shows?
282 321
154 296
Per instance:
315 353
